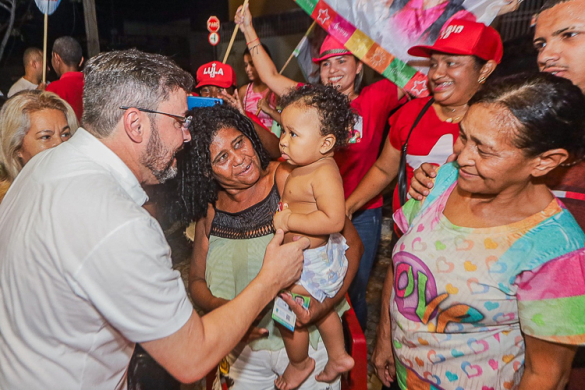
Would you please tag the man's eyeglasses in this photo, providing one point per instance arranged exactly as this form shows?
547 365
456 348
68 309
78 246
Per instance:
184 121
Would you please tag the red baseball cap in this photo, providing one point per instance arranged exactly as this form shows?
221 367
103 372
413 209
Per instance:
217 74
331 47
465 37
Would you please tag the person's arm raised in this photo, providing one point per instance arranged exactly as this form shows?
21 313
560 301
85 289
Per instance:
264 65
547 365
200 293
202 342
378 177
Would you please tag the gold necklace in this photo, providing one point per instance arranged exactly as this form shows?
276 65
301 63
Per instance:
455 119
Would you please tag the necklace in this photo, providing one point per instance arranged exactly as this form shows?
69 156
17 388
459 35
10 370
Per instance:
454 119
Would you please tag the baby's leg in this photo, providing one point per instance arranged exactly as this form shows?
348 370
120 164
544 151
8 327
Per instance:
297 348
339 361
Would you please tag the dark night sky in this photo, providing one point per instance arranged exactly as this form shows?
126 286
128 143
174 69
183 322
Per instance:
68 18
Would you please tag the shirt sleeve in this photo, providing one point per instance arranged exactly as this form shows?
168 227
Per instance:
551 299
129 279
396 123
404 216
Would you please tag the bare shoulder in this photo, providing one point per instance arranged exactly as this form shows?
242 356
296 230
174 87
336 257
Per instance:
327 167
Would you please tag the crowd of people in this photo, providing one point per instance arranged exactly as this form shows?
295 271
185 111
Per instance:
283 181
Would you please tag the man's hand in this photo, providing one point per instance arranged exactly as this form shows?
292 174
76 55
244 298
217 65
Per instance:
42 86
383 361
283 263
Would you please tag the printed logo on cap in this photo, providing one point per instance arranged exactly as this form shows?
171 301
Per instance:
452 29
211 71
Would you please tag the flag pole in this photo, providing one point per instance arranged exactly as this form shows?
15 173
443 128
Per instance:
45 43
227 53
293 52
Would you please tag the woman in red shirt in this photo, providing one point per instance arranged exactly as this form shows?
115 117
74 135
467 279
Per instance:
463 57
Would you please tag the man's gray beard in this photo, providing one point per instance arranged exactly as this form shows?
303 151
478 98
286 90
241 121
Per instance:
154 155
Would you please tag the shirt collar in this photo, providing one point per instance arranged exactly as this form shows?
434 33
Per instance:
95 150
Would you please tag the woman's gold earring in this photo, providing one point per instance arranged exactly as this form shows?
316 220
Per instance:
481 80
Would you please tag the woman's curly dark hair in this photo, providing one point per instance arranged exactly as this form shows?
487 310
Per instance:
195 184
336 115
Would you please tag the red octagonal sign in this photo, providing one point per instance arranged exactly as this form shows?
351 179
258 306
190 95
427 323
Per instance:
213 24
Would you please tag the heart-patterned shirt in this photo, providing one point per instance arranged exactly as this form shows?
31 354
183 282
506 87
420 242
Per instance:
462 296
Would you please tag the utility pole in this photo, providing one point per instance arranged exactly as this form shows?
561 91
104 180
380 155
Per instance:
91 29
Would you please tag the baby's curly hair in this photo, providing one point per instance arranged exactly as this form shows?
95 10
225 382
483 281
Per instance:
195 184
336 115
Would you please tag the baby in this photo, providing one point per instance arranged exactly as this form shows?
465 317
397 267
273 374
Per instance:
316 120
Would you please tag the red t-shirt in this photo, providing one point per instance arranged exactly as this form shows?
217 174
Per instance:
70 88
568 184
373 105
431 141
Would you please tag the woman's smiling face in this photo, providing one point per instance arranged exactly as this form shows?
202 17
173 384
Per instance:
453 78
340 72
234 161
490 163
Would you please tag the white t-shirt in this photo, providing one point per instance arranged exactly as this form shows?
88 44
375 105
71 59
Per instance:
85 271
21 85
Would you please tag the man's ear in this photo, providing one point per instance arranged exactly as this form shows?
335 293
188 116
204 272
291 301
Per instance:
134 125
327 144
81 62
548 161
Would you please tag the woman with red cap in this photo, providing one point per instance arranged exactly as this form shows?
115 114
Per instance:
425 130
374 104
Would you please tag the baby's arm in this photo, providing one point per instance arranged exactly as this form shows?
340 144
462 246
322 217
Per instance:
329 217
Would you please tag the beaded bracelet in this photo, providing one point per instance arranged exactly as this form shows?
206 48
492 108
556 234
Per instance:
254 47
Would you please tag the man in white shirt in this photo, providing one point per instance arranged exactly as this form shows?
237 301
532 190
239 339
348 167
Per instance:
85 271
33 71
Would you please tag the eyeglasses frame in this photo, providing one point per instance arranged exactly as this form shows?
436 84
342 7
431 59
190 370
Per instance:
184 120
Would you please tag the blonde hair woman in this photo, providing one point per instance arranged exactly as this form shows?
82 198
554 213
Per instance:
30 122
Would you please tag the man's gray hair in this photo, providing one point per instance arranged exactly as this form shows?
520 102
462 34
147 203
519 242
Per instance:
127 78
69 50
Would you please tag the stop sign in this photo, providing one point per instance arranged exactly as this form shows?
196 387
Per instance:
213 24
